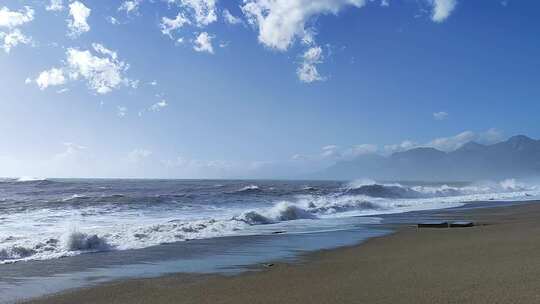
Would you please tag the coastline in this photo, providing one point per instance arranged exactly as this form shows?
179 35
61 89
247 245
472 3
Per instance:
495 262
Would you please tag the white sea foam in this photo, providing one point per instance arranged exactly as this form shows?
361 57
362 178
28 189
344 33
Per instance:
249 188
30 179
46 233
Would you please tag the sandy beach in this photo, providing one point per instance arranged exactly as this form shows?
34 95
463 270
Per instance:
497 261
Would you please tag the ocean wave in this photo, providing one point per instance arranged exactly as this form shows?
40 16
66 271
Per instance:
397 191
282 211
69 244
24 179
384 191
139 226
78 241
30 179
248 189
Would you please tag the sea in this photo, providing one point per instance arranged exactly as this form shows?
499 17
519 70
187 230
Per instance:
79 232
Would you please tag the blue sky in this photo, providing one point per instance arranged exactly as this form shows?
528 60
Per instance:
257 88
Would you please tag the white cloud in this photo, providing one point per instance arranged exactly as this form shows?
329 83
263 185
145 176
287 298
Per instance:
78 23
280 22
442 9
138 155
71 149
102 73
403 146
55 5
121 111
229 18
101 69
185 167
11 19
491 136
307 71
52 77
113 20
450 143
362 149
169 25
12 39
453 142
158 106
203 43
130 6
331 153
440 115
202 11
385 3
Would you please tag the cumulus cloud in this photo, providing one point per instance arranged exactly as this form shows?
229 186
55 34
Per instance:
52 77
78 23
11 19
102 73
332 153
203 12
12 39
440 115
449 143
453 142
55 5
158 106
307 71
280 22
100 68
403 146
138 155
203 43
442 9
491 136
229 18
130 6
169 25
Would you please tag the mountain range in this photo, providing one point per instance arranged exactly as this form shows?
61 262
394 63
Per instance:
517 157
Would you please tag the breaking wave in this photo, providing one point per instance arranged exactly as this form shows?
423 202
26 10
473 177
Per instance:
69 244
398 191
78 241
248 189
139 226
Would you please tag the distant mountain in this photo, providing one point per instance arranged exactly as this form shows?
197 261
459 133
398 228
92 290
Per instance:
519 156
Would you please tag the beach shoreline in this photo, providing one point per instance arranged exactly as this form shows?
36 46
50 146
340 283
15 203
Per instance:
494 262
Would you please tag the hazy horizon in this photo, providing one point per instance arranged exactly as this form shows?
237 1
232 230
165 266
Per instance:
248 90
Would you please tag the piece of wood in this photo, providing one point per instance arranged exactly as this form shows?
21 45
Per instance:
461 224
433 224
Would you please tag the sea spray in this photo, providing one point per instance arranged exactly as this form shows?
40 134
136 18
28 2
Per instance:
120 215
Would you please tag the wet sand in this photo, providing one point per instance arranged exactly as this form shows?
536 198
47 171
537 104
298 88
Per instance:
497 261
